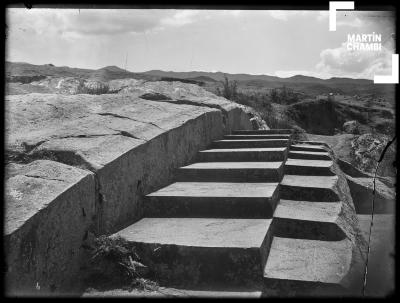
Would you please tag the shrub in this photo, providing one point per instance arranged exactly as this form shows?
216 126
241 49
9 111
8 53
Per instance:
116 260
229 90
283 95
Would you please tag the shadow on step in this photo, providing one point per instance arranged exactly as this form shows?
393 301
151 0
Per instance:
291 288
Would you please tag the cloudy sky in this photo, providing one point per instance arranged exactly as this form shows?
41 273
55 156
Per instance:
282 43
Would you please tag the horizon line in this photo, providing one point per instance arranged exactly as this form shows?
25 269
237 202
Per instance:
191 71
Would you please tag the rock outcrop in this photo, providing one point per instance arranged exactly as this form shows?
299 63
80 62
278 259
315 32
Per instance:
363 152
351 127
79 166
366 150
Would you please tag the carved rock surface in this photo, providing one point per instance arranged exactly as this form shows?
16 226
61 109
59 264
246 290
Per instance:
107 151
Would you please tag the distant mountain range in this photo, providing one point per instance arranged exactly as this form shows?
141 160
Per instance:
219 76
25 72
25 69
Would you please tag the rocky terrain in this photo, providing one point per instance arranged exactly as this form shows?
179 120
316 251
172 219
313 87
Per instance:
84 148
358 123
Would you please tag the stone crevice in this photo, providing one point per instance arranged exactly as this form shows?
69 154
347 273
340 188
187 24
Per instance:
124 117
31 152
194 103
41 177
382 155
127 134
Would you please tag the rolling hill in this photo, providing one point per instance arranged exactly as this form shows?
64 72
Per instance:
25 73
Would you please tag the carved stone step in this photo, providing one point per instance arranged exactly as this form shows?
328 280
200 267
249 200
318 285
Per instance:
243 154
194 250
231 172
213 200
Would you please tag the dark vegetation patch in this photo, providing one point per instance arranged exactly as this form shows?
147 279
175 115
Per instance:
25 79
154 97
116 262
169 79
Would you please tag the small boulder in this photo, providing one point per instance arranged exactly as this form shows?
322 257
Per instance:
94 87
254 123
336 131
351 127
69 85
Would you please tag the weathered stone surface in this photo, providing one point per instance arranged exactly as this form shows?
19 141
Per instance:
108 134
243 154
312 142
310 188
315 262
366 150
246 137
308 220
362 192
213 199
231 172
72 85
113 158
363 151
321 252
308 147
263 131
381 262
326 189
132 146
254 143
201 250
32 119
293 154
182 93
198 232
351 170
325 215
120 84
308 167
49 209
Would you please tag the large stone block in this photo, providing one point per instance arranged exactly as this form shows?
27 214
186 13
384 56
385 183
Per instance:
201 251
49 212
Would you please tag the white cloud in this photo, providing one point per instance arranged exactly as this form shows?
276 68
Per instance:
356 19
95 22
68 35
357 22
181 17
234 13
340 62
285 15
322 15
280 15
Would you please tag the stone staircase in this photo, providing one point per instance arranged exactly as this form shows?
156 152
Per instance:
254 211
